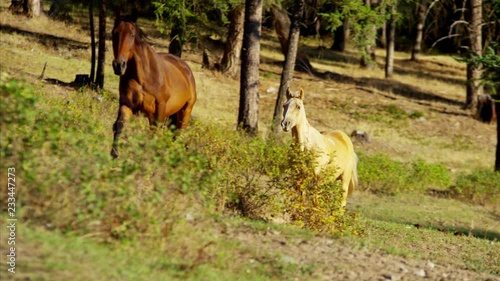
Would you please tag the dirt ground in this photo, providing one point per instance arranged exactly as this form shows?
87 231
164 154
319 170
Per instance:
333 260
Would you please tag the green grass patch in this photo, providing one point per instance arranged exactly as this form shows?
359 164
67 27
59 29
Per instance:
479 187
430 244
193 254
379 174
386 114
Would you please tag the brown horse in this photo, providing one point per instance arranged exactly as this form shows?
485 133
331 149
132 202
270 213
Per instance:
159 85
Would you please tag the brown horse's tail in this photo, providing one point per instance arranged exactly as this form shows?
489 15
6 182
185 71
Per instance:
354 179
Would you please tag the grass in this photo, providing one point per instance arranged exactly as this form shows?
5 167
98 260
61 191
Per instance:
428 244
156 213
430 228
54 256
442 214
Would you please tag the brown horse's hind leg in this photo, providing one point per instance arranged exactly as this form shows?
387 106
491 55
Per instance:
184 115
124 113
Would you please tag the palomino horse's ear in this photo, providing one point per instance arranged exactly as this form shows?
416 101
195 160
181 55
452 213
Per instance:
288 94
301 94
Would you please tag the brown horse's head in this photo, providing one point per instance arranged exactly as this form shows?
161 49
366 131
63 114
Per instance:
125 36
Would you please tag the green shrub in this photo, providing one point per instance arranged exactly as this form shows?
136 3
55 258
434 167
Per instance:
17 114
480 187
380 174
424 175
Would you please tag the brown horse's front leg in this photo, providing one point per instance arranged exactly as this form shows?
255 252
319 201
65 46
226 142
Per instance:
124 113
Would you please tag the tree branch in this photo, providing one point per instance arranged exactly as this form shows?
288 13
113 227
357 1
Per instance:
444 38
430 8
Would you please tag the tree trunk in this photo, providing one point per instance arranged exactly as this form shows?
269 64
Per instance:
287 74
474 88
32 8
390 37
92 43
101 55
368 58
417 46
382 41
497 110
176 34
15 5
234 40
469 87
339 37
281 23
248 113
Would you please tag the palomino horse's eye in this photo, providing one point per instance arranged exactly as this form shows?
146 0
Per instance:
132 35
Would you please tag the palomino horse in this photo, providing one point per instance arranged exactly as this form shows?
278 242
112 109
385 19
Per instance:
332 148
160 85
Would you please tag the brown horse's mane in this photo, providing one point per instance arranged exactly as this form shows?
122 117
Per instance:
141 36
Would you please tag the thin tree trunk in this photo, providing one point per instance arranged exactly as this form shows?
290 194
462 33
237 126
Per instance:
92 43
287 74
497 110
101 55
234 40
281 23
33 8
390 37
383 36
474 88
339 38
175 46
417 46
469 87
248 113
369 57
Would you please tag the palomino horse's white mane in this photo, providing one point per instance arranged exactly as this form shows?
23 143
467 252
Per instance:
332 148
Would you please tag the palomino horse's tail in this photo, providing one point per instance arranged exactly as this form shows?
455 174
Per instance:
354 179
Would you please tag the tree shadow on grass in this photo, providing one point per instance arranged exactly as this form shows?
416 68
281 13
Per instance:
47 40
421 69
385 85
388 85
462 231
426 73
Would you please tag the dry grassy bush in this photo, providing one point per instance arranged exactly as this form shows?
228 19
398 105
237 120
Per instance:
266 178
245 168
314 201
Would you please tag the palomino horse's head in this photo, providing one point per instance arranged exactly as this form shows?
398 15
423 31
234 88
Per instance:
125 36
294 112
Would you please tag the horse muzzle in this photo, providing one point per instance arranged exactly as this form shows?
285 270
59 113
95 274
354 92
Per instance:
119 66
285 125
